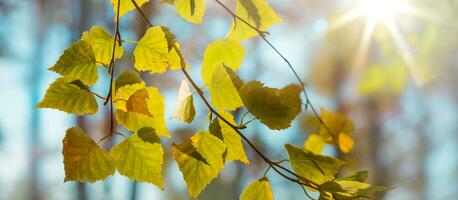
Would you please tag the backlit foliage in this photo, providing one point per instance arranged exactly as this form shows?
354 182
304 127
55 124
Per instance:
139 109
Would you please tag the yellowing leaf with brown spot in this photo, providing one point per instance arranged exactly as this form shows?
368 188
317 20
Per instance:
157 50
139 160
258 13
200 159
102 44
84 160
138 102
346 142
257 190
69 97
126 6
314 143
132 120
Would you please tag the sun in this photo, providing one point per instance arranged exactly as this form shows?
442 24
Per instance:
382 12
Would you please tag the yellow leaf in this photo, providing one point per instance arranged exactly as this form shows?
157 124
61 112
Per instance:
132 120
184 110
231 139
346 142
276 108
139 160
69 97
156 51
200 159
191 10
388 79
138 102
128 77
257 190
126 6
257 13
84 160
223 93
102 44
337 124
227 52
314 143
77 63
316 168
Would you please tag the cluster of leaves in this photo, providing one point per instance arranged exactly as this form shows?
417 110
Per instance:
139 109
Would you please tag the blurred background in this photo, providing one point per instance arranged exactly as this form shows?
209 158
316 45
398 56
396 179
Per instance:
391 67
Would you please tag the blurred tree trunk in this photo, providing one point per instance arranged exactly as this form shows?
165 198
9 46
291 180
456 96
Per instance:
82 14
35 95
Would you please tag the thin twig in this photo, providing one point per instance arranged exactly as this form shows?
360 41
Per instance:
98 95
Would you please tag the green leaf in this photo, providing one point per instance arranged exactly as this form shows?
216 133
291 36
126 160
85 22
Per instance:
230 137
347 190
69 98
358 176
132 119
77 63
316 168
157 50
184 110
257 13
84 160
199 168
139 160
191 10
274 107
227 52
259 189
148 134
126 6
102 44
223 93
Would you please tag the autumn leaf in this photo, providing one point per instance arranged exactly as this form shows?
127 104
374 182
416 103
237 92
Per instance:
84 160
77 63
139 160
259 189
184 109
69 97
276 108
102 44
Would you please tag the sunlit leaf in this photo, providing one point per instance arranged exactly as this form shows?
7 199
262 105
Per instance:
128 77
191 10
276 108
227 52
230 137
337 123
316 168
84 160
156 51
68 97
139 160
102 44
126 6
223 93
138 102
184 110
314 144
345 142
200 159
259 189
358 176
348 190
77 63
257 13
